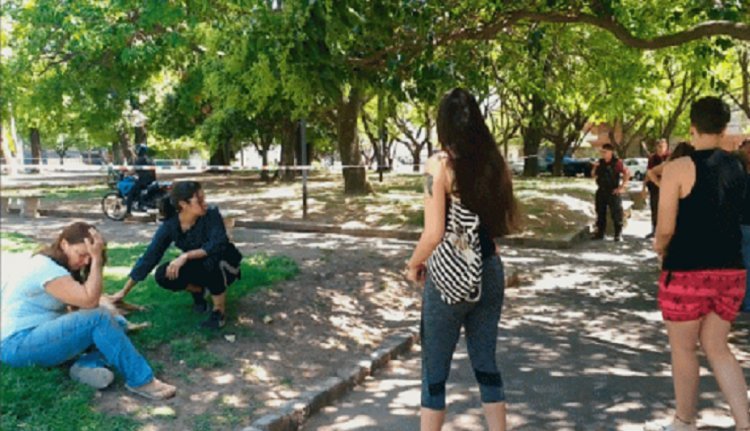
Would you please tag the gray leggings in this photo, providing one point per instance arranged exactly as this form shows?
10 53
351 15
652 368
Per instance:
441 327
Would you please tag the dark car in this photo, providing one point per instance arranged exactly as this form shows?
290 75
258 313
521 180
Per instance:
94 157
572 167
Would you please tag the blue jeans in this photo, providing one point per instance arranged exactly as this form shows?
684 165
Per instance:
441 326
62 339
746 260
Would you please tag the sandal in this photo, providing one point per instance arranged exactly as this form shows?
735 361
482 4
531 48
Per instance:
155 390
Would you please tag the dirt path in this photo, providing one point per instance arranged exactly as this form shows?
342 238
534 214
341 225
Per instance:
581 347
347 297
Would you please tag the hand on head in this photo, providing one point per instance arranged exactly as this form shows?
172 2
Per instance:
95 244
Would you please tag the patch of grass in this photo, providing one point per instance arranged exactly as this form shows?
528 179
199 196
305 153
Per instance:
193 351
65 193
46 399
221 416
170 313
13 242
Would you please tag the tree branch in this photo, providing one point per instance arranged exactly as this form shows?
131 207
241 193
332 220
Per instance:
736 30
411 43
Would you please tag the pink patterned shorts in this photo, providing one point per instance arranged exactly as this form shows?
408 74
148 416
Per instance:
690 295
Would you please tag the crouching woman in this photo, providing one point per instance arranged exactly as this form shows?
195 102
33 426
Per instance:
209 262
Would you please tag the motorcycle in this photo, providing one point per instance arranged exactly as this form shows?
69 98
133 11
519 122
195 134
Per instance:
114 203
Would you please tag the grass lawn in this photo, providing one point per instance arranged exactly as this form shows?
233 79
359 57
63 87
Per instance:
46 399
550 206
64 193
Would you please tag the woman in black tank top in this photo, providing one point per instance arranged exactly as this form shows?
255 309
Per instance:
703 281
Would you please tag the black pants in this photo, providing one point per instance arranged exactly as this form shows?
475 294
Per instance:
133 196
194 272
141 193
653 202
606 199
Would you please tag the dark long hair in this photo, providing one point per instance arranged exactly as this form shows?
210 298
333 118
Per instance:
682 149
74 233
482 178
182 191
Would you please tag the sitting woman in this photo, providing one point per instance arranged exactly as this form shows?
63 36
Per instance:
36 330
208 262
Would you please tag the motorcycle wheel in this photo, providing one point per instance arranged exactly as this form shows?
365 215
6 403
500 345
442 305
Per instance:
113 206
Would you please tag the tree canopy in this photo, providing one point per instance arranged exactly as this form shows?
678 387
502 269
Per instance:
227 73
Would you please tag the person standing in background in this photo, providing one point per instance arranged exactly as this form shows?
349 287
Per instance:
660 155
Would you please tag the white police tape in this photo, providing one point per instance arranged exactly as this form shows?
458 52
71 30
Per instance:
77 167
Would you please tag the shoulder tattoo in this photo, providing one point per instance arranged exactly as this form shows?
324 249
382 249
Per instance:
428 182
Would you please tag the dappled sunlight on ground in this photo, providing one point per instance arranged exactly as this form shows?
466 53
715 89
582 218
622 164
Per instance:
551 207
581 346
348 296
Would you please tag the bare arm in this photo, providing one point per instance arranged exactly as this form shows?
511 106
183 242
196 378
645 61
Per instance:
436 182
625 179
654 174
82 295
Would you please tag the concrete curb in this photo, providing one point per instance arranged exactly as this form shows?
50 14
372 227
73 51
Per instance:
293 414
564 242
95 215
567 241
298 226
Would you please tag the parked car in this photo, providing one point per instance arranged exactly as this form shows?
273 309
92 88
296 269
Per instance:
516 166
571 167
637 167
94 157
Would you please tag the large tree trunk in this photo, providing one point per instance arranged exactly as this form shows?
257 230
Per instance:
117 156
355 180
263 145
264 176
289 141
125 148
557 167
416 157
36 146
140 135
220 156
532 137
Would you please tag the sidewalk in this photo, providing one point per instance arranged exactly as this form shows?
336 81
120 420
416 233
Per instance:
581 347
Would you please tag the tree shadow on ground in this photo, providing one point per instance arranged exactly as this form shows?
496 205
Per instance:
582 347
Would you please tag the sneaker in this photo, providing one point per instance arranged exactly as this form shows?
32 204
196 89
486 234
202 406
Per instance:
200 305
675 425
597 236
618 238
215 320
96 377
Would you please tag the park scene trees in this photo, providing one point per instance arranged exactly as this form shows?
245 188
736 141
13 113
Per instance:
247 95
215 77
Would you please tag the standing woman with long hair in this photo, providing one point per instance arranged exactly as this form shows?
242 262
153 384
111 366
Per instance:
468 202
